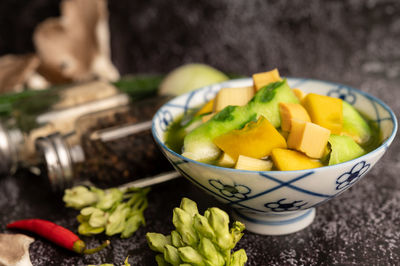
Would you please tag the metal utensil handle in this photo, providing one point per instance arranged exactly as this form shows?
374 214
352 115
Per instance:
110 134
150 181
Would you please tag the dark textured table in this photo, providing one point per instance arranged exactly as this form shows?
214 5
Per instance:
351 42
359 227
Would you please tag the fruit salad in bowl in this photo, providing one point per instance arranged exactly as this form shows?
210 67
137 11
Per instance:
274 148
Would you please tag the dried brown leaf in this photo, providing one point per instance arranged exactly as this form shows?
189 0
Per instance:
15 70
75 47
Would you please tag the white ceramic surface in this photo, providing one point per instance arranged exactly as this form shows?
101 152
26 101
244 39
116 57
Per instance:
276 202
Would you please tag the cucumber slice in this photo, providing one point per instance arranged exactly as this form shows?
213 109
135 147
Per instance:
354 125
267 99
343 148
198 144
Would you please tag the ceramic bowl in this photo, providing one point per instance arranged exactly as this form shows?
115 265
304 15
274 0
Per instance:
276 202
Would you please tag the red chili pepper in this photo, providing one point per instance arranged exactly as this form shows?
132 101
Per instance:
56 234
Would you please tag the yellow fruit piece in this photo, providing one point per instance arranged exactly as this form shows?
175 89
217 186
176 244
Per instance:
207 108
308 138
284 134
256 140
226 161
325 111
252 164
232 96
288 160
263 79
205 118
299 94
289 111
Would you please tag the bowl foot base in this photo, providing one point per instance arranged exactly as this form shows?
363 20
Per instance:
276 223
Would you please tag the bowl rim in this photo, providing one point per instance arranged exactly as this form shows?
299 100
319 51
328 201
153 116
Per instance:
384 145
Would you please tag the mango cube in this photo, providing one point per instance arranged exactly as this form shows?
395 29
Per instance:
226 161
289 160
252 164
308 138
299 94
263 79
284 134
325 111
256 140
207 108
289 111
232 96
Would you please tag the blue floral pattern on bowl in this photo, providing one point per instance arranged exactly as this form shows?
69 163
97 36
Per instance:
167 120
282 205
349 178
344 93
231 191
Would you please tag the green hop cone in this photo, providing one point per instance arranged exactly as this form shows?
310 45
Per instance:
87 230
189 206
82 219
199 240
219 221
171 255
95 217
98 191
183 222
238 258
210 252
116 221
203 227
158 241
113 210
236 231
132 224
190 255
87 211
98 218
177 239
161 261
79 197
112 197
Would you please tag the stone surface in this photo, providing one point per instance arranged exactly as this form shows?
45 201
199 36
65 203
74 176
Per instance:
354 42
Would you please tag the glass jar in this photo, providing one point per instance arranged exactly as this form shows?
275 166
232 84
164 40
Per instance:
108 148
31 114
28 115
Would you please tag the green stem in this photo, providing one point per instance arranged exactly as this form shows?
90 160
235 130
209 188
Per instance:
97 249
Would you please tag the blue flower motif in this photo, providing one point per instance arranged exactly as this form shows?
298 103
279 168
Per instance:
349 178
231 191
166 118
343 93
279 206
